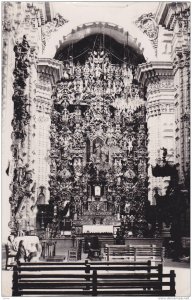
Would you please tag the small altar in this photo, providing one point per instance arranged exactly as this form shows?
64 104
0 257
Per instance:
98 229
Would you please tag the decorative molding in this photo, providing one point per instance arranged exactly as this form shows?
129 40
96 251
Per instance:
44 83
149 27
8 17
155 108
158 84
181 58
15 18
174 16
50 67
155 69
43 119
43 105
51 27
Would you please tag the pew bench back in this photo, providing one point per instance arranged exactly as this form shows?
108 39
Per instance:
84 279
134 253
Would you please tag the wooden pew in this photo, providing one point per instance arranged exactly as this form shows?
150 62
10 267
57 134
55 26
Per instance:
50 278
134 253
84 279
28 278
82 266
136 284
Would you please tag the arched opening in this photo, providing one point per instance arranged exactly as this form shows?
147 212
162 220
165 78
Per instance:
119 52
104 29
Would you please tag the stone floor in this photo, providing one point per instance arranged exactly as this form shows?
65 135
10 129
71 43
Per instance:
183 276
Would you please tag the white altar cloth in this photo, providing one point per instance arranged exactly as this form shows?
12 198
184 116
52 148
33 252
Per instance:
98 228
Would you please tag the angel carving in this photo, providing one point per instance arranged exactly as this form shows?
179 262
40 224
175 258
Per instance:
130 145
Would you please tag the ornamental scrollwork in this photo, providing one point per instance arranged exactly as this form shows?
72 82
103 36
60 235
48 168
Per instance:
21 73
157 84
8 17
148 26
98 142
22 186
183 20
51 27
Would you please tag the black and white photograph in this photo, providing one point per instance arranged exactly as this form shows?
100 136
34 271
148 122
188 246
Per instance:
95 160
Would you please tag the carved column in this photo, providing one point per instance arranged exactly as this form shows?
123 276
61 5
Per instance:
181 64
175 17
27 209
11 22
7 108
157 78
20 72
49 72
22 174
186 115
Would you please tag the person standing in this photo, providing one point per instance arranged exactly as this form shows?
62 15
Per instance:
21 255
12 245
11 248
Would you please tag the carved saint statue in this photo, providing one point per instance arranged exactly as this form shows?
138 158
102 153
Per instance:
41 196
116 207
97 150
127 207
77 164
164 154
130 145
98 71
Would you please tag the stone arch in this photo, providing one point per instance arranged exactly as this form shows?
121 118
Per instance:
67 34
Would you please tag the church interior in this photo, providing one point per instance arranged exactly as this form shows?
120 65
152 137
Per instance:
96 147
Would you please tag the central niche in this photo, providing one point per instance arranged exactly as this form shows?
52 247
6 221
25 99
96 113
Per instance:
98 141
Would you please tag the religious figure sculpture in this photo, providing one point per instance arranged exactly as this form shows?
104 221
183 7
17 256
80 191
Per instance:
130 145
164 154
127 208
